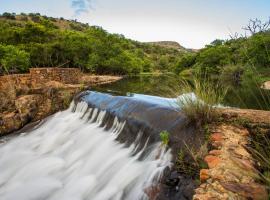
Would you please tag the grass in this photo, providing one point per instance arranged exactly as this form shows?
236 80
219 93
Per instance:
199 100
189 161
260 150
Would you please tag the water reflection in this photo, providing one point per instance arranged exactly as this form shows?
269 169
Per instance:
247 95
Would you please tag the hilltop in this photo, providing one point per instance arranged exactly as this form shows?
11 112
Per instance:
168 44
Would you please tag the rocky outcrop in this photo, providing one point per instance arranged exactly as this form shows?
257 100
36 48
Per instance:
169 44
231 173
31 97
26 108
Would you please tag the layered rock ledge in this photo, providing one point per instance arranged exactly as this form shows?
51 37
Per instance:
31 97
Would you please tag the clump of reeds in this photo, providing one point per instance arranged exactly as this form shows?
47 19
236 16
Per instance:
200 99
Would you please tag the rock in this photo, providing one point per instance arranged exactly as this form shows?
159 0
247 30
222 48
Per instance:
26 108
266 85
173 179
215 152
217 144
31 97
204 175
216 137
250 191
244 164
183 191
152 192
212 161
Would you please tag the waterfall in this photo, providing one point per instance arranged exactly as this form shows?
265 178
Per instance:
76 155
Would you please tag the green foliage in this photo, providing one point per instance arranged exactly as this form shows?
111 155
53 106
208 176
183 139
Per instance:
13 59
215 58
162 59
165 137
185 62
52 42
210 59
258 50
9 15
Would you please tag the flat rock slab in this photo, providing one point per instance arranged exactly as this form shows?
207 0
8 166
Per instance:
253 116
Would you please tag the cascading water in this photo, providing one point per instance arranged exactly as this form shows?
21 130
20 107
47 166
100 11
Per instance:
74 156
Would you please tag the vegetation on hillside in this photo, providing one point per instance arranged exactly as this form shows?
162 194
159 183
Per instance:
232 57
32 40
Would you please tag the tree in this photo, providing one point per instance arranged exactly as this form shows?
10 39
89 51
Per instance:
257 26
185 62
9 15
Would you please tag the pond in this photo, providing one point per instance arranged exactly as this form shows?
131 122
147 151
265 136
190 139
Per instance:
247 95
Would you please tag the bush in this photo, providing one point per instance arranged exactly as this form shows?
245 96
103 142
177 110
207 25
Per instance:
185 62
258 50
212 58
9 15
13 59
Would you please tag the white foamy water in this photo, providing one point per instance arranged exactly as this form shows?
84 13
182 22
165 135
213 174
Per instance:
71 158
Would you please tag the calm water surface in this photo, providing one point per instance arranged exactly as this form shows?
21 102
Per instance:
245 96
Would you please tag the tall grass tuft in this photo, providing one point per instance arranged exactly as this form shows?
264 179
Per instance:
200 98
260 149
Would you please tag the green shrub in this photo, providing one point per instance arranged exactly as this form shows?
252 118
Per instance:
13 59
185 62
9 15
164 136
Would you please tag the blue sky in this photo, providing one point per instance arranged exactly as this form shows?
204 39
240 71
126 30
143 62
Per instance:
192 23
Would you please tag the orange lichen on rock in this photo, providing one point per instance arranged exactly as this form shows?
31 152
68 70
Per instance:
212 161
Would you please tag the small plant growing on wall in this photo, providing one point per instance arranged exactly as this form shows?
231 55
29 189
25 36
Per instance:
164 136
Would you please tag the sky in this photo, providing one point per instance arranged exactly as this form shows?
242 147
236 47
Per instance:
191 23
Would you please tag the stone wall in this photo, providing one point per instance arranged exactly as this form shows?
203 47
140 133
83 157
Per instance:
18 80
39 76
63 75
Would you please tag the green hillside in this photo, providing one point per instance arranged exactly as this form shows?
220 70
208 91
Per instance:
231 58
32 40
